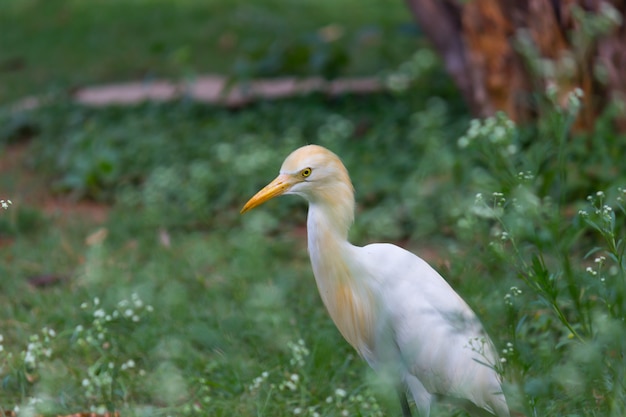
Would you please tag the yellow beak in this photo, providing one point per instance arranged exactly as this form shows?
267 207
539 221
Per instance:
275 188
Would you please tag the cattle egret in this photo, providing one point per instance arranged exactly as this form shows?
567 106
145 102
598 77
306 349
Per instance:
390 305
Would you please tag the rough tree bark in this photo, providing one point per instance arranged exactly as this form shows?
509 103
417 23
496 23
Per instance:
499 51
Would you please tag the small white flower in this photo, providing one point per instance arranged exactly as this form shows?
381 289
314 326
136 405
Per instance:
591 271
86 382
463 142
340 392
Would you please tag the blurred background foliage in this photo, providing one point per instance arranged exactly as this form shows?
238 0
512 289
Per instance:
171 303
50 45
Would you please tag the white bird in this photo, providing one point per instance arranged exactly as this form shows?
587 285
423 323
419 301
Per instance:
389 304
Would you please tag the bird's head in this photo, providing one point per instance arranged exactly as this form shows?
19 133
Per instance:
312 172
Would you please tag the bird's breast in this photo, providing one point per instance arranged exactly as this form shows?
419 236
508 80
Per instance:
349 301
353 314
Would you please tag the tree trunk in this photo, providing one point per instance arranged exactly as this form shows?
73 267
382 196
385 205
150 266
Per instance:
501 52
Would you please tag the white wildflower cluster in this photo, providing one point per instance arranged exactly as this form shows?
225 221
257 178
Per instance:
352 404
100 381
38 348
574 100
498 199
513 292
126 310
293 389
409 72
601 216
596 270
299 352
508 351
101 377
498 130
477 344
569 102
489 208
5 204
525 176
492 207
258 381
291 383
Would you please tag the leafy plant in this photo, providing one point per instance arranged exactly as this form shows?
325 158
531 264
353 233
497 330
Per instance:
566 308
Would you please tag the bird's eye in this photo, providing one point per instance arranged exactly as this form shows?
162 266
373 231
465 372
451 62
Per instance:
305 172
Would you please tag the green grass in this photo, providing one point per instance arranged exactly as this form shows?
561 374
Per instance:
177 305
231 295
57 44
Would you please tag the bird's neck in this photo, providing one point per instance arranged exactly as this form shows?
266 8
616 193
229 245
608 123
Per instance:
331 212
335 266
327 232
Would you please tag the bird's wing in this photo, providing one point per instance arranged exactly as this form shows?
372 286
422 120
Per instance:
438 336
